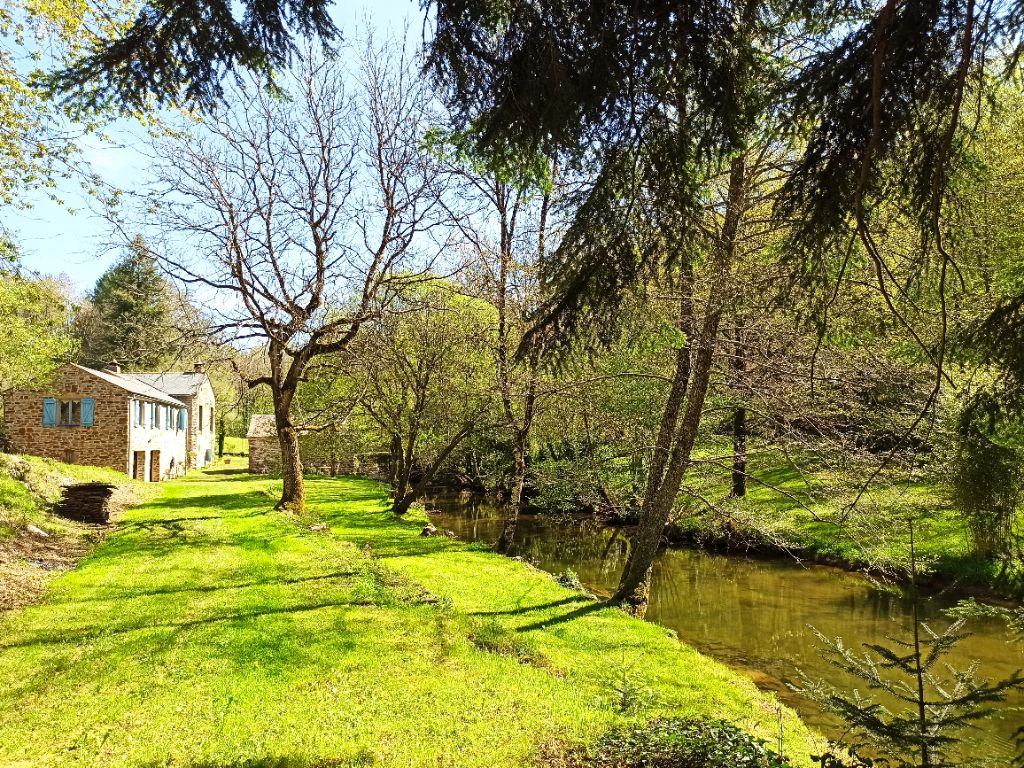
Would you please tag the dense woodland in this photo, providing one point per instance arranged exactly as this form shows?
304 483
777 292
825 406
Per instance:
746 275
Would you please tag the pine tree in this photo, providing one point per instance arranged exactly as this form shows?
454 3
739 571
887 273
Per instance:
933 706
130 318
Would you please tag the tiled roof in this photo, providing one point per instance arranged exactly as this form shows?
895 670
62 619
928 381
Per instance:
131 384
173 383
262 425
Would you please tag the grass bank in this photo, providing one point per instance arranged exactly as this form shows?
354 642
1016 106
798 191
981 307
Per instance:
797 507
210 630
35 545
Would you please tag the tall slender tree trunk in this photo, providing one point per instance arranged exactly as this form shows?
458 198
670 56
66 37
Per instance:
520 450
678 434
739 418
415 491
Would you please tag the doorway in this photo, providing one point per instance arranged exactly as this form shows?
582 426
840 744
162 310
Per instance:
154 467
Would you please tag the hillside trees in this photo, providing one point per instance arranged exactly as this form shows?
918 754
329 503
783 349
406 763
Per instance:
305 216
505 225
35 315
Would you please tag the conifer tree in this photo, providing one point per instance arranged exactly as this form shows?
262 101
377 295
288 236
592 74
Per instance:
130 318
932 706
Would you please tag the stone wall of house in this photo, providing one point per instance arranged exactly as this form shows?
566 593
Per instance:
103 445
265 458
264 455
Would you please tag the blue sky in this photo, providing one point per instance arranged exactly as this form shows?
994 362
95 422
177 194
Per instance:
73 240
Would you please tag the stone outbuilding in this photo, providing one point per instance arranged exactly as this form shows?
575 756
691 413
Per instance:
264 448
124 421
326 451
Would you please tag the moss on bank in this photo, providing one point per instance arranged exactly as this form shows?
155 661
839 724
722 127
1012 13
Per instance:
211 630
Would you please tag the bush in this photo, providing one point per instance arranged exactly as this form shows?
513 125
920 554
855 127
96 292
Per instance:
680 743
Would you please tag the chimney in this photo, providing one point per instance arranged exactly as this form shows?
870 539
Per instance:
113 367
200 367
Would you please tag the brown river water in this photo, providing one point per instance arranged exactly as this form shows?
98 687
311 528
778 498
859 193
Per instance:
755 614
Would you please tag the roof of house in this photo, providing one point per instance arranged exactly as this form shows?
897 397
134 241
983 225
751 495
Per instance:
131 384
179 384
262 425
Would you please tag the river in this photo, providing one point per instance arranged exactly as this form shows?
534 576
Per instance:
754 613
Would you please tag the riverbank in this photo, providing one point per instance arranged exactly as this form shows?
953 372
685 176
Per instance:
829 517
210 629
800 506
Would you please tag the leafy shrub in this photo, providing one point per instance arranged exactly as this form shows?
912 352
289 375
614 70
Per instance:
680 743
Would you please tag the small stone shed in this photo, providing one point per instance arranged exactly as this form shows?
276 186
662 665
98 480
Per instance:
264 449
320 454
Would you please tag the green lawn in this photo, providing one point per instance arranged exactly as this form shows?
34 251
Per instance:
235 446
210 630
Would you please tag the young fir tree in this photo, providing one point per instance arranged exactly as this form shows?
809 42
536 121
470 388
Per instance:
934 701
130 318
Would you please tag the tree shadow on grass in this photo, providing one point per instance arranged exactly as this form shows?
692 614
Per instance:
63 637
572 615
284 761
209 588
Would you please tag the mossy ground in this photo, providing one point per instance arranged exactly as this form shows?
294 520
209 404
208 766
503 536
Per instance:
211 630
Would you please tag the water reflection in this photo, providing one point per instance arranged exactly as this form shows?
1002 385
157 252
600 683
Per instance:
751 613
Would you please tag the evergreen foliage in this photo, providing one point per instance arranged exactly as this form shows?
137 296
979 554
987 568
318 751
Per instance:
932 705
180 52
131 317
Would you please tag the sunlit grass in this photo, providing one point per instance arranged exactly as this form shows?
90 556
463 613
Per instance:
813 512
211 630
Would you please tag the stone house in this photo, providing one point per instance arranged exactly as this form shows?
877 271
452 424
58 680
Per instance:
124 421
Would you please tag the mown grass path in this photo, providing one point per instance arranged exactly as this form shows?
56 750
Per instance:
210 630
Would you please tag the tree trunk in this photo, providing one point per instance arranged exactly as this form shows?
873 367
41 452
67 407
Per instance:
508 530
676 441
739 420
405 501
293 496
739 452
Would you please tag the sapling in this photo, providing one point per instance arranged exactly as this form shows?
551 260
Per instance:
925 703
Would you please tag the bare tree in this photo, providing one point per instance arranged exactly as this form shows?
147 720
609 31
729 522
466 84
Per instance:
507 238
302 215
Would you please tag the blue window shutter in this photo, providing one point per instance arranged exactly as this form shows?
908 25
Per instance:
88 411
181 419
49 412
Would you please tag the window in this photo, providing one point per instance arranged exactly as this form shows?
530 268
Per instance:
200 418
156 415
211 419
69 413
